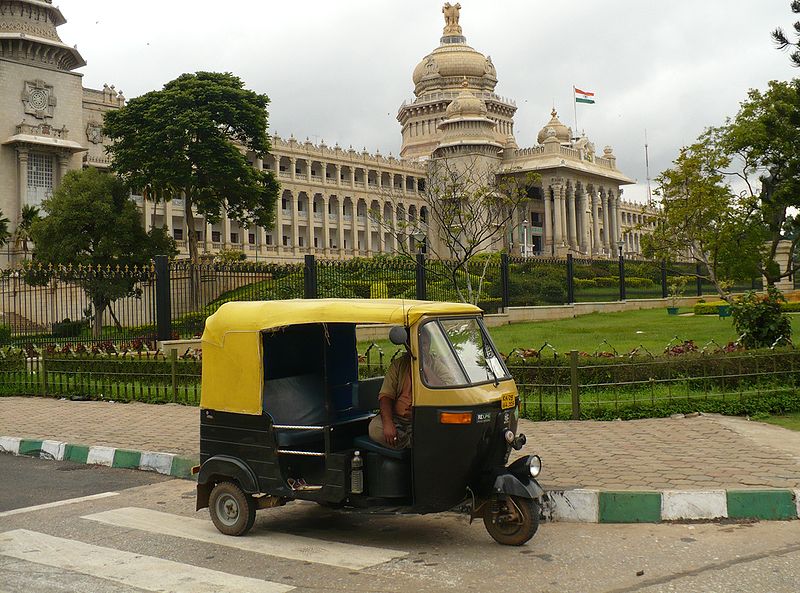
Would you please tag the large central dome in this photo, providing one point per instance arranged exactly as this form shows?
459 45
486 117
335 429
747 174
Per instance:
449 71
446 66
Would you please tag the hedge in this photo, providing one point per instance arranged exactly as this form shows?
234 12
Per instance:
712 308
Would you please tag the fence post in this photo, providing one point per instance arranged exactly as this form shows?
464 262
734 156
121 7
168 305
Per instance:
310 278
570 280
163 299
699 280
664 292
173 360
42 375
422 292
504 281
576 396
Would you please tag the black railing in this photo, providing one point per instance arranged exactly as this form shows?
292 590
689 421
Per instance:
40 305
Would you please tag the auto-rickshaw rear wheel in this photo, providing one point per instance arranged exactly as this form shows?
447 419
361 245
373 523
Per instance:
515 521
232 511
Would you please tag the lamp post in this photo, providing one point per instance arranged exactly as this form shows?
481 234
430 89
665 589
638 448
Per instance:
419 239
620 245
525 238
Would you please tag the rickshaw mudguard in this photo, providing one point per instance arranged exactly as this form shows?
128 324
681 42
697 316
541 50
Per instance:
221 468
509 484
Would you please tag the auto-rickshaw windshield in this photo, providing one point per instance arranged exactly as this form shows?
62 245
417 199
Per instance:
457 352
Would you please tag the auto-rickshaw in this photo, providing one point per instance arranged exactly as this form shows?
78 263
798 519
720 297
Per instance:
284 416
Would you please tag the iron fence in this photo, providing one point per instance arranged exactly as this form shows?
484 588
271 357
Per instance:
170 300
551 386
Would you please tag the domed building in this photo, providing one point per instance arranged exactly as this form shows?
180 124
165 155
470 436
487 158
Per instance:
50 123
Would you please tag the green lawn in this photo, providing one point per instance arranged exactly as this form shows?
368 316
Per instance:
651 328
790 420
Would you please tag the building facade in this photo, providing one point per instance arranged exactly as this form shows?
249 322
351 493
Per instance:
334 202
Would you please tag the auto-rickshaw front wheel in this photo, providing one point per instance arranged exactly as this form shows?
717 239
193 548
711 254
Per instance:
515 521
232 511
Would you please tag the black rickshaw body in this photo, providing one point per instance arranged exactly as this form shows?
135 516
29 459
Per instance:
286 424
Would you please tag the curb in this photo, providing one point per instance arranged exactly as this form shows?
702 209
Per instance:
167 464
576 506
598 506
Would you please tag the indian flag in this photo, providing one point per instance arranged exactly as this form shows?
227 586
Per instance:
583 96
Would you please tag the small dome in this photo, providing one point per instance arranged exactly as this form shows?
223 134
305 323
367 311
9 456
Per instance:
466 104
454 60
562 133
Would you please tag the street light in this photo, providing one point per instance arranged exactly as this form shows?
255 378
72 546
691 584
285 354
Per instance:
419 237
525 238
620 245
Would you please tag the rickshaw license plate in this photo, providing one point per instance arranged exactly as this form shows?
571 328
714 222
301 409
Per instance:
509 400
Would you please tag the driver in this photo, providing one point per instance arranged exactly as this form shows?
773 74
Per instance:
392 426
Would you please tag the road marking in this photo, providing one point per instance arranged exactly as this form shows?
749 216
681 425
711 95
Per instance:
127 568
58 503
282 545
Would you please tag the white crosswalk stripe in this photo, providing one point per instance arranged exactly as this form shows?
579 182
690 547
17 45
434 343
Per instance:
133 570
270 543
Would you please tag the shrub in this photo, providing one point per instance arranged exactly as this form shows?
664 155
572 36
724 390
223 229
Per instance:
5 334
68 328
710 308
759 319
379 290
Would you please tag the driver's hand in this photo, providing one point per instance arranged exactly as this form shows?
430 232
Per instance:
390 433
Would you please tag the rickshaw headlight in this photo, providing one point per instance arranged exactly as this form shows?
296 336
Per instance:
534 465
509 436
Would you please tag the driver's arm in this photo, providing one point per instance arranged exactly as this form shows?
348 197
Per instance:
389 430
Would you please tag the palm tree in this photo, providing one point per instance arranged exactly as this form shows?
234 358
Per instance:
22 235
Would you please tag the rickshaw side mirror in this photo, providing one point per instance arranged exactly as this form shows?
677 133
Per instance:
398 335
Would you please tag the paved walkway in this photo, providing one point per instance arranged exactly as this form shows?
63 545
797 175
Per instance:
700 453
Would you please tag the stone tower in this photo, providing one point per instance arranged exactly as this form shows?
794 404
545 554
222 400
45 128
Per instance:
439 79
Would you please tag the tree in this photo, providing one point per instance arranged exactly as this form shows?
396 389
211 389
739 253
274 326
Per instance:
92 223
764 145
22 235
191 140
703 219
468 207
729 197
784 43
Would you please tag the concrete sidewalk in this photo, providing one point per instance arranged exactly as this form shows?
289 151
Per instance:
700 454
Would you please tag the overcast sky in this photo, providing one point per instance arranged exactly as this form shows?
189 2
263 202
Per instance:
339 70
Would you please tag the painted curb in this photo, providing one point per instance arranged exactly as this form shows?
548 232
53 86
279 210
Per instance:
167 464
677 505
582 505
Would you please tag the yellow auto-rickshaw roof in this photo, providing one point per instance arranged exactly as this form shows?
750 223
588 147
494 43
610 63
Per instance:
256 316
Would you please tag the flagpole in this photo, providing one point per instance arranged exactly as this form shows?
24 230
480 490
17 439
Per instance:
575 109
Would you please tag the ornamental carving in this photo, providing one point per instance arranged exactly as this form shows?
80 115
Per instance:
489 67
451 15
94 132
39 99
431 67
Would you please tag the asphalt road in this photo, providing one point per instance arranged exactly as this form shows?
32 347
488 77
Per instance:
26 481
149 538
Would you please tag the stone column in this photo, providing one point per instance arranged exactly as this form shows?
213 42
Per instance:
310 223
279 225
206 234
572 226
558 223
226 229
515 230
596 242
168 217
63 162
583 206
341 226
618 212
393 222
292 167
368 229
326 226
352 176
606 234
548 226
22 194
613 230
338 176
295 224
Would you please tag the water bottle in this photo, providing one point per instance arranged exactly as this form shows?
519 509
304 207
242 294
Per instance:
357 473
